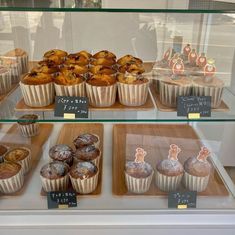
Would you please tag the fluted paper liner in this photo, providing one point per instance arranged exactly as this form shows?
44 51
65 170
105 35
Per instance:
138 185
38 95
167 183
15 72
133 94
5 83
24 62
101 96
73 90
85 186
96 161
195 183
60 184
29 130
12 184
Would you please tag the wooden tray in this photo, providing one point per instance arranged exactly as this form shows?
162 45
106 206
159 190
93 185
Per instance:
69 132
155 139
13 139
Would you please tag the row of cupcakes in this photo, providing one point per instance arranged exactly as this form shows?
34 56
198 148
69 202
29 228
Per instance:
169 172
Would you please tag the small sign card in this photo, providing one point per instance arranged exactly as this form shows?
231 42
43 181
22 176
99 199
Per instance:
194 107
182 200
61 200
71 107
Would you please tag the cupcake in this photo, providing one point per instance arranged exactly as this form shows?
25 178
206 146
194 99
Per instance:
63 153
132 68
3 151
11 177
54 176
84 177
45 67
88 153
101 90
21 56
104 54
129 59
138 173
197 171
77 59
132 89
86 139
85 54
28 125
37 89
55 56
5 80
101 69
169 171
20 155
103 61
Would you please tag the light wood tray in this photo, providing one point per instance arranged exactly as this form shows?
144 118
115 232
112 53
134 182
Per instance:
155 139
13 138
69 132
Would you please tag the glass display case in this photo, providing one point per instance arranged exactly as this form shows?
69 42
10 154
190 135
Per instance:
128 105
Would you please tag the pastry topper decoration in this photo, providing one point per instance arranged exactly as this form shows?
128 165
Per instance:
174 152
168 54
139 155
174 59
210 69
178 67
187 49
203 154
201 60
192 57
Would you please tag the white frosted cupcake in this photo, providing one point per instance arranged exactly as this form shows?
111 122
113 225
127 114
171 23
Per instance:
5 80
169 171
138 173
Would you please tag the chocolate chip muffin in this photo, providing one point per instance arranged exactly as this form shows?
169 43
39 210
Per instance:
86 139
28 125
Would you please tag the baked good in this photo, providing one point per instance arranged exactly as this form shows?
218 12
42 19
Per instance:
84 177
129 59
103 61
74 68
20 155
11 177
28 125
5 80
77 58
101 90
101 69
88 153
37 89
132 89
63 153
3 151
54 176
86 139
44 67
85 54
138 173
169 172
21 56
197 171
55 56
133 68
104 54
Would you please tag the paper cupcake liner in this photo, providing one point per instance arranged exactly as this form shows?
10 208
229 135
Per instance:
195 183
29 130
169 93
15 73
96 161
74 90
138 185
101 96
85 186
167 183
13 184
24 61
38 95
5 83
214 92
50 185
133 94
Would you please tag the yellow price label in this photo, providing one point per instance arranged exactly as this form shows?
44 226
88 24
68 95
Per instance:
69 115
194 116
182 207
63 206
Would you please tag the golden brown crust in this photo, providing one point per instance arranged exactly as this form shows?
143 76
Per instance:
45 68
17 52
132 68
101 80
55 52
129 59
77 58
68 79
104 54
74 68
16 154
85 54
35 78
104 62
100 69
9 169
131 79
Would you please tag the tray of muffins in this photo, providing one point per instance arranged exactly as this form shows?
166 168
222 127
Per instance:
20 152
108 82
186 74
154 159
75 161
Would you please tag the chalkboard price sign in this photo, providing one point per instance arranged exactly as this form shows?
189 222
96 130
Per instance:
71 107
194 104
182 200
61 199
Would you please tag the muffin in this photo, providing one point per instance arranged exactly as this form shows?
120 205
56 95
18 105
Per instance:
74 68
129 59
132 68
138 173
88 153
169 172
77 59
11 177
20 155
85 54
44 67
101 90
103 61
84 177
104 54
86 139
197 171
55 56
37 89
62 153
3 151
28 125
132 89
5 80
21 56
54 176
101 69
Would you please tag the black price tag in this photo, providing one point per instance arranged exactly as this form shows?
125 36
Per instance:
182 200
61 200
71 107
194 106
